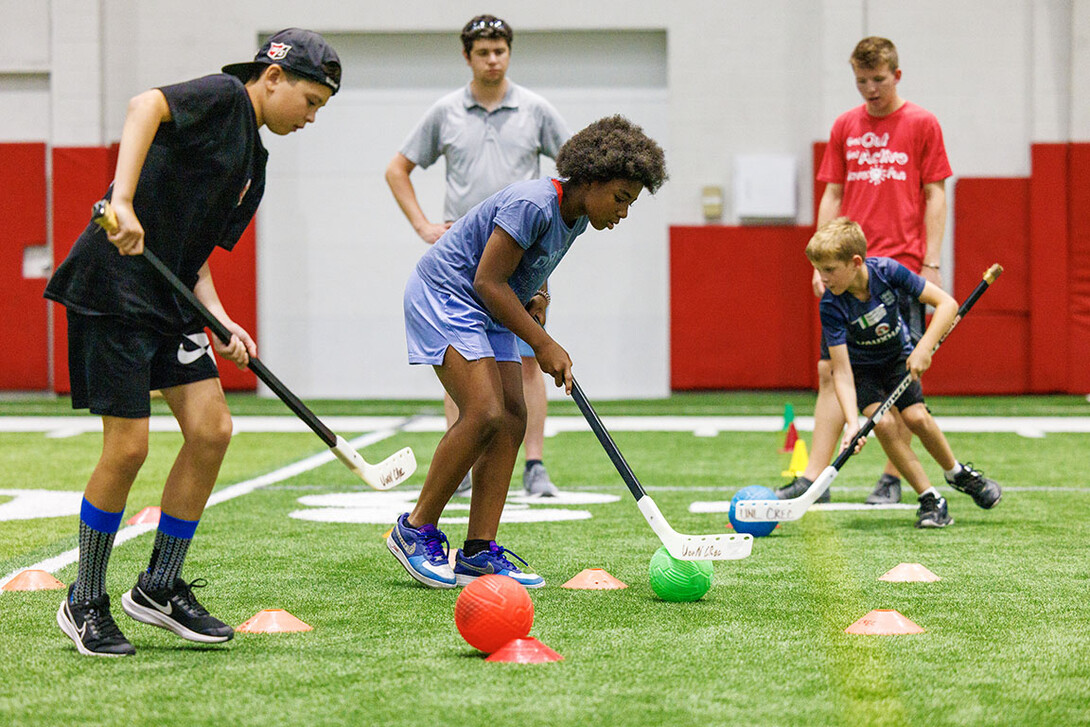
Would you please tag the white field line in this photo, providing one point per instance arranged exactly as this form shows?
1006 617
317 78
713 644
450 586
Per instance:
65 426
54 564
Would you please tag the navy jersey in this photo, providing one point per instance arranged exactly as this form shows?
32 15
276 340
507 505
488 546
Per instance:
873 330
200 186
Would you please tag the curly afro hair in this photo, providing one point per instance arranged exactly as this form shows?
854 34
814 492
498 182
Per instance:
612 148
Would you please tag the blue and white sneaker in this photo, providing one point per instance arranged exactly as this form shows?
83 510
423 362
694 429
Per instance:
421 552
493 560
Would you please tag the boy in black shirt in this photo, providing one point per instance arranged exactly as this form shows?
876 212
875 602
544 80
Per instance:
191 172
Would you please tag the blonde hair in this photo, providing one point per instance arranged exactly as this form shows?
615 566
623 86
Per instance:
840 239
872 52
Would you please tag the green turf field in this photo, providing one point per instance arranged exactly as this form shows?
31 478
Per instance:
1006 627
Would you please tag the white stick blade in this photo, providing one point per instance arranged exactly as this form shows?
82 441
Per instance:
725 546
385 475
763 511
392 471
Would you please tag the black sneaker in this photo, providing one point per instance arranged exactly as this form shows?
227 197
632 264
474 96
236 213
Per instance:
886 492
91 626
932 512
985 493
798 486
175 609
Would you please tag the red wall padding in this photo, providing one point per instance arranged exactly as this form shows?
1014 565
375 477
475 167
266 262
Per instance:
1078 187
741 310
24 314
1047 267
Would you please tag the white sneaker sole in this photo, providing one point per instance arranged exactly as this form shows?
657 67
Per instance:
70 631
419 577
155 618
464 579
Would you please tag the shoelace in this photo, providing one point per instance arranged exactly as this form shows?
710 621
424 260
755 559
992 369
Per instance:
98 614
434 540
500 553
189 600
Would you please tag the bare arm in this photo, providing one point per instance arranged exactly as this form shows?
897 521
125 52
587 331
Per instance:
945 310
241 346
498 261
844 385
145 113
397 176
828 209
934 220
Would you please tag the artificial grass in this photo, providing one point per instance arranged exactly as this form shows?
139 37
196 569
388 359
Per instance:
1005 627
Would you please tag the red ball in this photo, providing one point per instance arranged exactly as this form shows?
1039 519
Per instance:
492 611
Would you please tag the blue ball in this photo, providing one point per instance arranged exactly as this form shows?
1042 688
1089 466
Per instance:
753 492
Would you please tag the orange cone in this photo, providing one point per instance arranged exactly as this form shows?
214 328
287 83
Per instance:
147 515
790 439
594 579
525 651
273 621
387 533
883 622
33 580
909 573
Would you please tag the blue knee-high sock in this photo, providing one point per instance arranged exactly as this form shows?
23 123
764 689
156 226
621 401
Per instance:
171 544
97 529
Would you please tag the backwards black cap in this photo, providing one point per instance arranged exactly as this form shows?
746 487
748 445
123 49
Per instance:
303 52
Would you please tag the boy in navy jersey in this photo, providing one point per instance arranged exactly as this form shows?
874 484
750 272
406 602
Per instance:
870 351
470 295
190 172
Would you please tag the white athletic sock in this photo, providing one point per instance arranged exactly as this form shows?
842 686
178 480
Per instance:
930 491
951 474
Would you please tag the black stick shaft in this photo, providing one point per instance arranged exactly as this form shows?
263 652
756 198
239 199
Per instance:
989 277
608 444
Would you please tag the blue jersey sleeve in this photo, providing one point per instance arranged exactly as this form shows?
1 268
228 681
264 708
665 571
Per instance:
901 278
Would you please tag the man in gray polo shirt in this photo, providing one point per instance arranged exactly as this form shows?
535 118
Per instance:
491 133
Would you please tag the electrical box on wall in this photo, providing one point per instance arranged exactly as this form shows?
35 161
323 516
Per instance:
766 188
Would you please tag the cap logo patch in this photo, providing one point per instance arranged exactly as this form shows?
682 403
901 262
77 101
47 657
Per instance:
277 51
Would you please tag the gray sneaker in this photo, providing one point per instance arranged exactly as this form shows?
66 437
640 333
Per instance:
465 487
536 482
932 513
886 492
797 487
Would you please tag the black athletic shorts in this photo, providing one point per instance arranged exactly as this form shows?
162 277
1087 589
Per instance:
912 311
874 383
113 364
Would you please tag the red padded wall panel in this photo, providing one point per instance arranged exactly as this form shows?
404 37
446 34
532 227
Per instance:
991 225
1048 268
741 311
1078 281
24 314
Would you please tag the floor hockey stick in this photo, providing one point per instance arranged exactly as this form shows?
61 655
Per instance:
680 546
385 475
793 509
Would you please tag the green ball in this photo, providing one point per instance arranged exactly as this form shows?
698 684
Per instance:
679 580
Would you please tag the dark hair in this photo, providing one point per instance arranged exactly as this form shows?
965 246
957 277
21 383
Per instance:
485 27
612 148
872 52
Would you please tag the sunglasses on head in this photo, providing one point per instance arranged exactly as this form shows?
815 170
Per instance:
485 24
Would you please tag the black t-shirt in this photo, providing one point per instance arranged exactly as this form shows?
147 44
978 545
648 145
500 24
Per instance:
201 183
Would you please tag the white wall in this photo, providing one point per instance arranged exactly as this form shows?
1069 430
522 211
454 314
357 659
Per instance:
744 76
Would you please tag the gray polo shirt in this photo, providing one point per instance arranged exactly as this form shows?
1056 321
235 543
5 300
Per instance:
485 151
